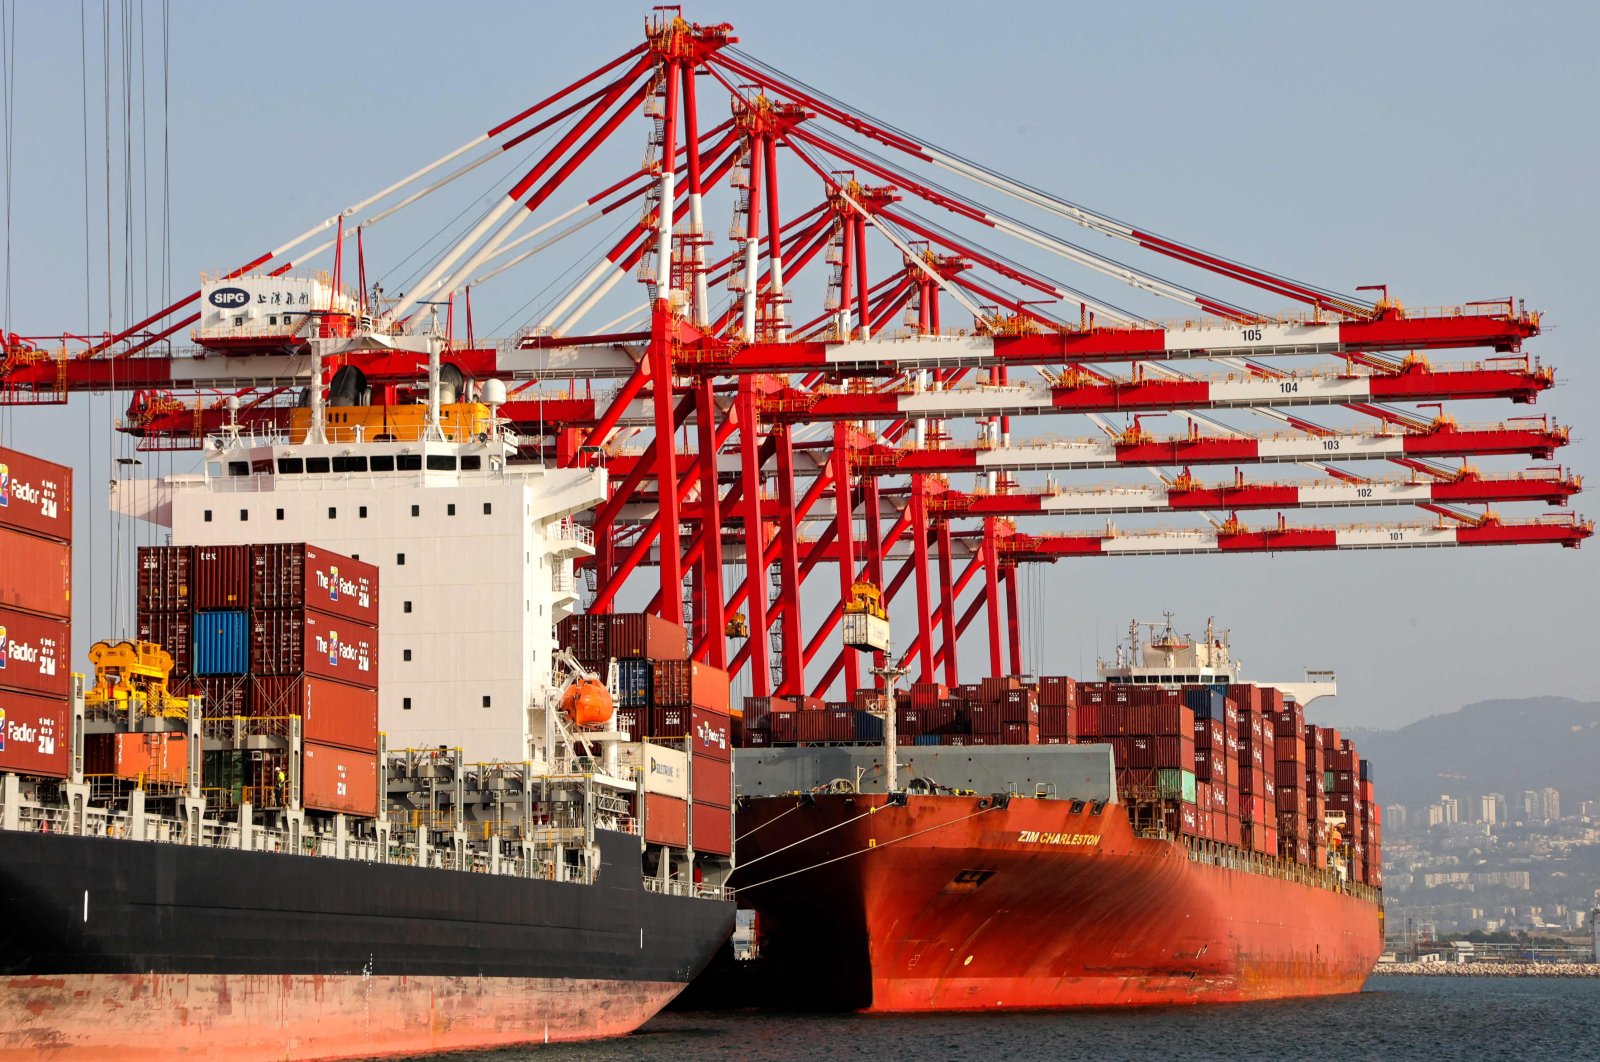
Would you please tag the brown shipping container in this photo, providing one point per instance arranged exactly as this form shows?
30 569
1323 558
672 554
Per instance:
710 735
219 577
35 654
670 683
35 575
713 782
641 636
335 779
299 575
164 579
584 635
713 830
171 631
666 820
332 713
669 722
35 496
225 695
288 642
33 734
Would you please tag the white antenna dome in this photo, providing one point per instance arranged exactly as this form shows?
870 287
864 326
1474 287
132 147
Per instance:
493 392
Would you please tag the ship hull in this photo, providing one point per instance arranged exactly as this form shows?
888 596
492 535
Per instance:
124 949
954 904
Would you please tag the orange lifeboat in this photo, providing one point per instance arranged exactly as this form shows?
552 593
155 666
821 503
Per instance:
588 703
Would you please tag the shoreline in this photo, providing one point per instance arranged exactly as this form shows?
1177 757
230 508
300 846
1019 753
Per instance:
1489 969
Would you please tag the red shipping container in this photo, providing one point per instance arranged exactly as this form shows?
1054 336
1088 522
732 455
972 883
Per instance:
335 779
33 735
1289 749
710 688
171 631
1057 721
841 724
219 577
666 820
757 738
1019 734
711 735
642 636
928 694
164 579
332 713
670 722
299 575
35 496
631 721
35 654
1057 691
713 782
289 642
35 575
713 829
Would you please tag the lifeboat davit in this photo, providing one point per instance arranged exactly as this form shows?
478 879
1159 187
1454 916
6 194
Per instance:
587 703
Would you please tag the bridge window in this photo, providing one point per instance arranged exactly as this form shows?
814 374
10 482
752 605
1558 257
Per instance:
471 463
238 468
349 464
290 466
406 704
441 462
409 462
317 464
383 463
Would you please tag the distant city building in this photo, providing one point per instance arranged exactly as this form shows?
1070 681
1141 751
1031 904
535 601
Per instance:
1395 814
1532 805
1488 810
1552 803
1435 815
1501 811
1450 809
1587 809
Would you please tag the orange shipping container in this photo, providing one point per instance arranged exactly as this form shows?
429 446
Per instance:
35 496
33 734
160 759
666 820
710 688
35 574
332 713
334 779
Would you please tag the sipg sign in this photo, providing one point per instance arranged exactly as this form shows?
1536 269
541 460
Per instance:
230 298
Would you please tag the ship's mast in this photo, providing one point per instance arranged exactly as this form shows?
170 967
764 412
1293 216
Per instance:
891 673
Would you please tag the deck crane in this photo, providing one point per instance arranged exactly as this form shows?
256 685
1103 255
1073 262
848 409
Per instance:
801 425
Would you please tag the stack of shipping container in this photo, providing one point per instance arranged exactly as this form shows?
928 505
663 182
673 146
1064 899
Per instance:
265 633
669 703
35 615
1236 764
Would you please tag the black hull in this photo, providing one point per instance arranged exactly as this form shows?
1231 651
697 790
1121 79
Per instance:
93 905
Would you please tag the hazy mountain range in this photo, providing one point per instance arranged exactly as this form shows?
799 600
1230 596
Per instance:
1489 747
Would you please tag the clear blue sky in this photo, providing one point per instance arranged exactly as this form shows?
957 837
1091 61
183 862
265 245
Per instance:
1448 150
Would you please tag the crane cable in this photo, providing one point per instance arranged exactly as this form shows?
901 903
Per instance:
874 847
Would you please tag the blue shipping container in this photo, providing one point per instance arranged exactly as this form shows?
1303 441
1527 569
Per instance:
221 642
633 682
868 727
1206 702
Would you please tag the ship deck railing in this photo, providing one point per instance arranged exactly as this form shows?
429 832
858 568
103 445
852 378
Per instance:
679 887
1216 853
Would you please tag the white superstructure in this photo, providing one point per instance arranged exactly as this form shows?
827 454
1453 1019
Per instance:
1166 658
475 557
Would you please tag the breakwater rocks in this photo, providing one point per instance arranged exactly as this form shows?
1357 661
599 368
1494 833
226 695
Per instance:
1489 969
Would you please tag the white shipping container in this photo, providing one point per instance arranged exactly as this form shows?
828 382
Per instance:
666 770
862 630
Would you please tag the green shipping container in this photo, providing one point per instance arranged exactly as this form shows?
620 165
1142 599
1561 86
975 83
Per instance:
1327 781
1172 784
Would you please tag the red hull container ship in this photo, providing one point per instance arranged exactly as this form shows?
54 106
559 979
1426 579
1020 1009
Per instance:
1168 835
